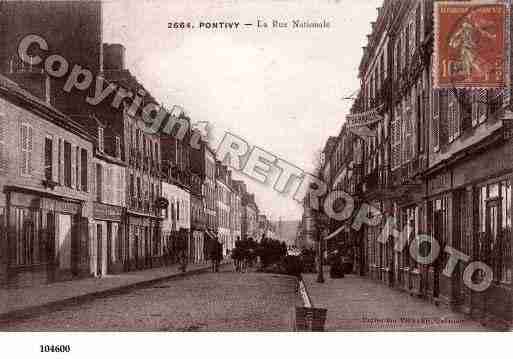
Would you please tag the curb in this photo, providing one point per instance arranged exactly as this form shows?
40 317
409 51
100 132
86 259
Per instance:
35 310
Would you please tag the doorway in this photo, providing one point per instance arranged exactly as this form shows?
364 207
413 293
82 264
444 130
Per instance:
64 239
99 256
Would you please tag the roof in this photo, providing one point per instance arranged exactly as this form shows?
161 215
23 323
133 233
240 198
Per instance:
23 98
125 79
89 122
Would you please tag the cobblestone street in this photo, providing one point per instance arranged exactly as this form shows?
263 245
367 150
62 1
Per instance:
225 301
360 304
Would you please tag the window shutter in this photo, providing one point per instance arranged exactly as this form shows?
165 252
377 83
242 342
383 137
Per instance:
23 148
110 180
61 161
458 122
405 132
442 118
418 22
406 46
30 146
78 169
3 148
466 109
73 167
435 126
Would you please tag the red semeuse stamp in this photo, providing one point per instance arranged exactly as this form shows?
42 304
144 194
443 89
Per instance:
470 47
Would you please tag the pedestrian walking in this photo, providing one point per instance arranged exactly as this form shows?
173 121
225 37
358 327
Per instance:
212 254
219 255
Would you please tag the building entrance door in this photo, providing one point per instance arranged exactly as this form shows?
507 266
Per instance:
99 247
64 241
439 232
492 233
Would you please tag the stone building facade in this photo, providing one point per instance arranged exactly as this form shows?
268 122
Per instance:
46 184
435 161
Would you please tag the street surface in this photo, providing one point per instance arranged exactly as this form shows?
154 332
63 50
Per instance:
355 303
224 301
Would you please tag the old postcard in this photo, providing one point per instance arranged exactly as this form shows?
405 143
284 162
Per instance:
255 166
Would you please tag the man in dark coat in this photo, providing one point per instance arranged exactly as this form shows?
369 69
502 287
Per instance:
214 254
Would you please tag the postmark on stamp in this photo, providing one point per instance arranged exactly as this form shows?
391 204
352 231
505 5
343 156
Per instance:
470 45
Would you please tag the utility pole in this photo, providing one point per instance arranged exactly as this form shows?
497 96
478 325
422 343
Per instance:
317 216
319 234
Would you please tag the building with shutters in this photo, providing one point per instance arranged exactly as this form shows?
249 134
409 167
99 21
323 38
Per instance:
198 250
177 187
46 182
203 163
140 150
437 161
223 201
250 213
176 226
236 210
108 245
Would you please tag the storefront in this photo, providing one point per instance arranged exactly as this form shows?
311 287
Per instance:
469 209
196 250
144 244
108 245
45 237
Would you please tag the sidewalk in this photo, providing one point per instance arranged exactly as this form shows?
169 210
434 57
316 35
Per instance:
359 304
23 302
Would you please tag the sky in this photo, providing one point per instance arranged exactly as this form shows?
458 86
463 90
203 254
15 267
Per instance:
280 89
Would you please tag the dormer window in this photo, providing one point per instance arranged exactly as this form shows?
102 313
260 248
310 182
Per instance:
100 139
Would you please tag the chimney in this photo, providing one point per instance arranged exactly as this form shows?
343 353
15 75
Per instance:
113 57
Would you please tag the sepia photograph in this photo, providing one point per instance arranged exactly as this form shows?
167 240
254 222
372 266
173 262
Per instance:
254 166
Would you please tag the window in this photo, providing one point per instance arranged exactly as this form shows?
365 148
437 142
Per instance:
412 220
397 56
413 40
77 168
478 107
83 169
132 186
3 148
99 182
59 163
406 47
494 242
67 164
396 138
408 132
505 274
26 142
435 127
420 115
48 158
418 21
100 139
453 118
27 228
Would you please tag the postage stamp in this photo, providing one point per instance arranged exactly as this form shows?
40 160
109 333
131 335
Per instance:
470 47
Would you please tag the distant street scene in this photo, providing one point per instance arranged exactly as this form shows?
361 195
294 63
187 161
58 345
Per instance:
223 165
